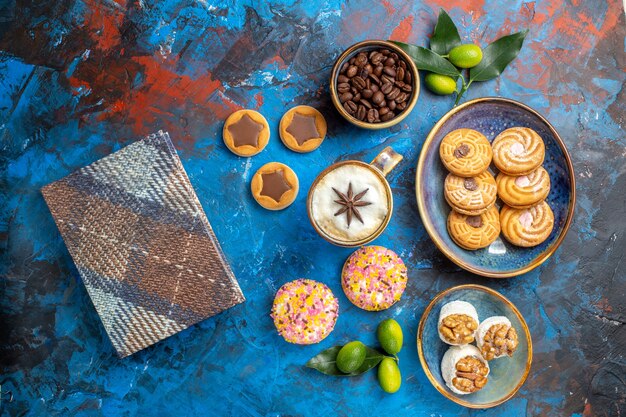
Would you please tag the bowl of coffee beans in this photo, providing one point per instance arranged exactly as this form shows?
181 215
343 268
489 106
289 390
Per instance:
374 84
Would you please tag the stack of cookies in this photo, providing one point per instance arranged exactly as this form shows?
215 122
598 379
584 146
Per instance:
523 185
470 189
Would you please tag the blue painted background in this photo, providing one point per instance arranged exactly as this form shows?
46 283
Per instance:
82 78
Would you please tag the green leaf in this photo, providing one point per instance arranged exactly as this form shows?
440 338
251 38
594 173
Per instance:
446 35
427 60
326 361
497 56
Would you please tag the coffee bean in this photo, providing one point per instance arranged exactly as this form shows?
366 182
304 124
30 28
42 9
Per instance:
378 97
361 112
407 88
401 98
386 88
390 62
369 68
400 74
394 56
378 71
361 60
376 58
366 103
374 78
387 79
385 52
401 106
344 67
408 77
402 64
350 107
367 93
391 104
372 115
351 72
358 82
383 110
399 84
390 72
363 73
357 97
345 97
374 88
343 88
387 116
342 79
393 94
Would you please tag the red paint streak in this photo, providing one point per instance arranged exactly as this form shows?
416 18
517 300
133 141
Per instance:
164 90
278 60
475 8
588 412
403 30
388 7
103 24
258 97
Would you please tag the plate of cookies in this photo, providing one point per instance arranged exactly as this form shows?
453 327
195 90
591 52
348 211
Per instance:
495 187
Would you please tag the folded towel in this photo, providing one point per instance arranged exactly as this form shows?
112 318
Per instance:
142 244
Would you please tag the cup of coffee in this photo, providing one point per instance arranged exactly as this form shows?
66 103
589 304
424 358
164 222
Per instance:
350 202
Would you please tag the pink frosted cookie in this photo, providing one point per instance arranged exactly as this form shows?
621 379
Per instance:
304 311
374 278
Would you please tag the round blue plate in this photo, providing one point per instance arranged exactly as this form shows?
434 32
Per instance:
506 374
490 116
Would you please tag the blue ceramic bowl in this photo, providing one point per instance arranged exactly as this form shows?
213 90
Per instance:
506 374
490 116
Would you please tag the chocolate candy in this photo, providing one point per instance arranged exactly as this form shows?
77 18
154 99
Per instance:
375 86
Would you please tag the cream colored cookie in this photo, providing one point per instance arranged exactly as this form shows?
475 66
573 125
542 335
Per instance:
246 132
527 227
518 151
471 196
465 152
302 129
474 232
524 191
274 186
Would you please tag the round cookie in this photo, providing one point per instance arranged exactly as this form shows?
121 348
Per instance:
518 151
246 132
274 186
302 129
304 311
474 232
465 152
524 191
374 278
527 227
471 196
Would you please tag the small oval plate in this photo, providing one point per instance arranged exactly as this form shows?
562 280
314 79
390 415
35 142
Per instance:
490 116
506 374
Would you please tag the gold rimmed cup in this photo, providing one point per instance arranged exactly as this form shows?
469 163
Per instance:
507 375
366 46
326 226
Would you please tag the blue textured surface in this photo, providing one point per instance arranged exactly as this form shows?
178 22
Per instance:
504 373
81 78
491 118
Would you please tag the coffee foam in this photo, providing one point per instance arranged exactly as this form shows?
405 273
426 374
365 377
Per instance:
323 206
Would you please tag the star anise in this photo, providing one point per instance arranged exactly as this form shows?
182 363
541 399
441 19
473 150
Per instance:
350 202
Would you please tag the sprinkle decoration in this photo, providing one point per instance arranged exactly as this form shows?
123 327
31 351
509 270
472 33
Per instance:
374 278
304 311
